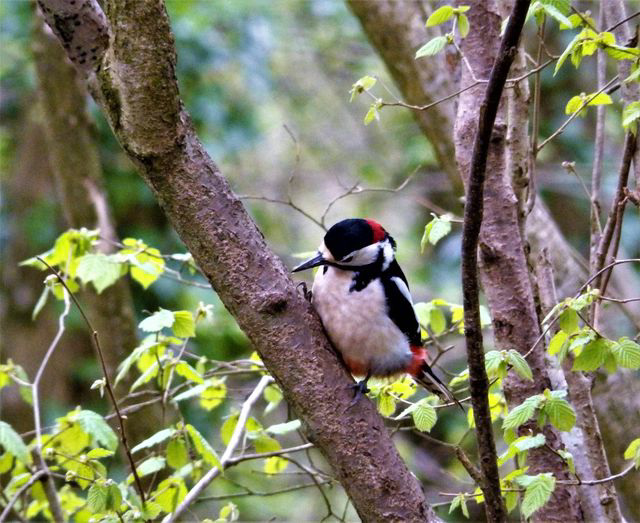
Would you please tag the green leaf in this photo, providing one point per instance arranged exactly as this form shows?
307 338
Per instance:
96 426
97 498
568 321
529 442
170 493
157 321
12 442
424 416
627 353
555 13
432 47
538 491
184 326
264 443
177 453
633 452
202 447
188 372
99 269
284 428
99 453
275 465
599 99
520 365
214 393
564 6
574 104
42 301
114 497
148 466
435 230
158 437
228 427
560 413
565 54
592 356
631 114
463 25
146 376
146 262
372 114
440 16
363 84
522 413
386 405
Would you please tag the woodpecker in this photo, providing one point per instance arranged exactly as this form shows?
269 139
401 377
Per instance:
363 299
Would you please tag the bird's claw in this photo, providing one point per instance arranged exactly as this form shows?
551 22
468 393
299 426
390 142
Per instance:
360 390
305 291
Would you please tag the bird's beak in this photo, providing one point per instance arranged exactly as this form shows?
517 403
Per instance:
310 263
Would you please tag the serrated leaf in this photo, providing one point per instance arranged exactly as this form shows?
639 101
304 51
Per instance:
564 6
99 269
12 442
520 365
627 353
592 356
97 498
157 321
538 491
599 99
96 426
148 466
386 405
432 47
440 16
560 413
184 326
565 54
568 321
631 112
529 442
555 13
522 413
158 437
202 447
424 416
114 497
284 428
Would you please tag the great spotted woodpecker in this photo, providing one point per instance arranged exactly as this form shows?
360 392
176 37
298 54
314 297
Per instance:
363 299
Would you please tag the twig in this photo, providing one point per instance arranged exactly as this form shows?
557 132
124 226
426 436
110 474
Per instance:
107 380
52 495
586 101
35 477
598 481
260 493
204 482
473 210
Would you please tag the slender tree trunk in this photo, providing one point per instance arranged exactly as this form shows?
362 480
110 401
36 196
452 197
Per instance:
136 87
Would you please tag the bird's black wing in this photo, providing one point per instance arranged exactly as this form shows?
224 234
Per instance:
399 303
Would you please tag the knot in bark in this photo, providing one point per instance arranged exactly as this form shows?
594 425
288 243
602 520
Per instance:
272 302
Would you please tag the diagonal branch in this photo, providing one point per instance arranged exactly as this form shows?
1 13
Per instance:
135 84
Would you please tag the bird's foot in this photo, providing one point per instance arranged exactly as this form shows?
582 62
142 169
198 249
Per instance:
360 390
305 291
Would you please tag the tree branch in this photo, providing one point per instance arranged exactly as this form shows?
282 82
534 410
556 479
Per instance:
136 86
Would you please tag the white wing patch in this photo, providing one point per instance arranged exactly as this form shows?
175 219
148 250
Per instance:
402 287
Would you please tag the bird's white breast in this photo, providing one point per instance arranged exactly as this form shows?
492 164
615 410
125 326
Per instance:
358 324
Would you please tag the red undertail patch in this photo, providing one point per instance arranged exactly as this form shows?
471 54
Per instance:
355 367
418 358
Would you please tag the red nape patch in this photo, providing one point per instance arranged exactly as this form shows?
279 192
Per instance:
418 358
355 367
378 231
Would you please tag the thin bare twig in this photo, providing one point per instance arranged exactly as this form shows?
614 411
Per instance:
107 380
7 509
204 482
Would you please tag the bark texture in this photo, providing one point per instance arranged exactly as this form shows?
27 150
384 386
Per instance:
503 265
136 86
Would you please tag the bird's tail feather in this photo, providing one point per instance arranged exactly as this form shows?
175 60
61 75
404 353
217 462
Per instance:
427 379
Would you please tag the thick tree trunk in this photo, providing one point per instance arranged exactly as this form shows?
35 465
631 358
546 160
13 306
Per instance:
503 265
136 86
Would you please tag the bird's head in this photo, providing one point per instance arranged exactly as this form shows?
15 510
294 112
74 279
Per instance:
353 244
